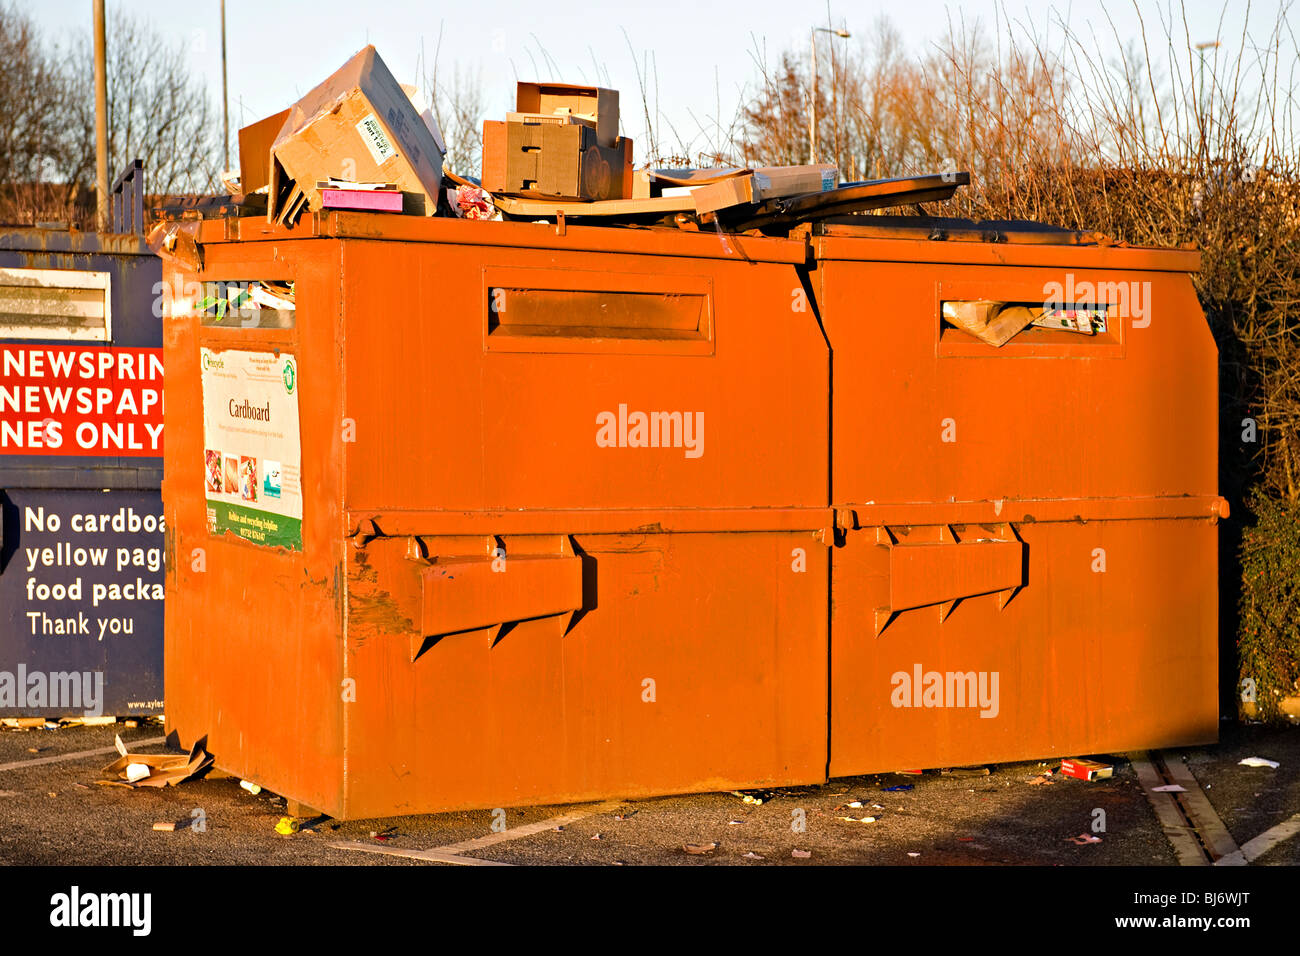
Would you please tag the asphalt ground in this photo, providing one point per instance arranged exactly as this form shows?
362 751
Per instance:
55 814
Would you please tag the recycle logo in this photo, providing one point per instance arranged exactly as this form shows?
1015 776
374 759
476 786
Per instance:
290 377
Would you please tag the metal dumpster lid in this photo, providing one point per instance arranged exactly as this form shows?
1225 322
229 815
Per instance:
965 242
851 197
383 227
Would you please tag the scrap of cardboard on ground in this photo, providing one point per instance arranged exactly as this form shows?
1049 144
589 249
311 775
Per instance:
155 770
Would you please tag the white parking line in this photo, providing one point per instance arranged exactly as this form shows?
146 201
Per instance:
1253 849
1170 817
59 758
452 852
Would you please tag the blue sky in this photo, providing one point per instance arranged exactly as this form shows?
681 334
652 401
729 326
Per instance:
702 53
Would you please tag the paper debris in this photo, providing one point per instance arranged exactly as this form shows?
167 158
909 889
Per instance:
1169 788
699 849
751 855
251 787
22 723
989 321
1259 762
155 770
164 827
801 854
1083 839
857 819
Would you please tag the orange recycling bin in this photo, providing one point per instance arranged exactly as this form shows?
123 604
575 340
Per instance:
1027 555
494 514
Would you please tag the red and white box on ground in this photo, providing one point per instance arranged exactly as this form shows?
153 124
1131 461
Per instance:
1082 769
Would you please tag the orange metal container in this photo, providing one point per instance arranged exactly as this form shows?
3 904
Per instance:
467 389
1034 522
507 587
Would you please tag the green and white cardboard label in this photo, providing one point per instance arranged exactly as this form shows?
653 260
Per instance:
251 446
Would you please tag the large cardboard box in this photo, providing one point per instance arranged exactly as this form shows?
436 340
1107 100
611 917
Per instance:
564 162
594 104
359 125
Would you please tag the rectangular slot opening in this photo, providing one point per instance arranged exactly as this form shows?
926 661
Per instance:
55 304
247 304
997 323
986 319
536 310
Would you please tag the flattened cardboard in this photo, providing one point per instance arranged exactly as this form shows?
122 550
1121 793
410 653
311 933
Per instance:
993 322
766 182
164 769
358 125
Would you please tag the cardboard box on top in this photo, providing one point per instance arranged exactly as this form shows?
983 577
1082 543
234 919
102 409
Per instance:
358 125
565 162
594 104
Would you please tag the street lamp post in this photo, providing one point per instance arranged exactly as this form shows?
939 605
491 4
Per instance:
812 113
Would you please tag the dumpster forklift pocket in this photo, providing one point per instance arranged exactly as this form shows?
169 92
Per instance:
539 310
490 591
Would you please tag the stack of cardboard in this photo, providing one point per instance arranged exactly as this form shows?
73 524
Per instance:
561 143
